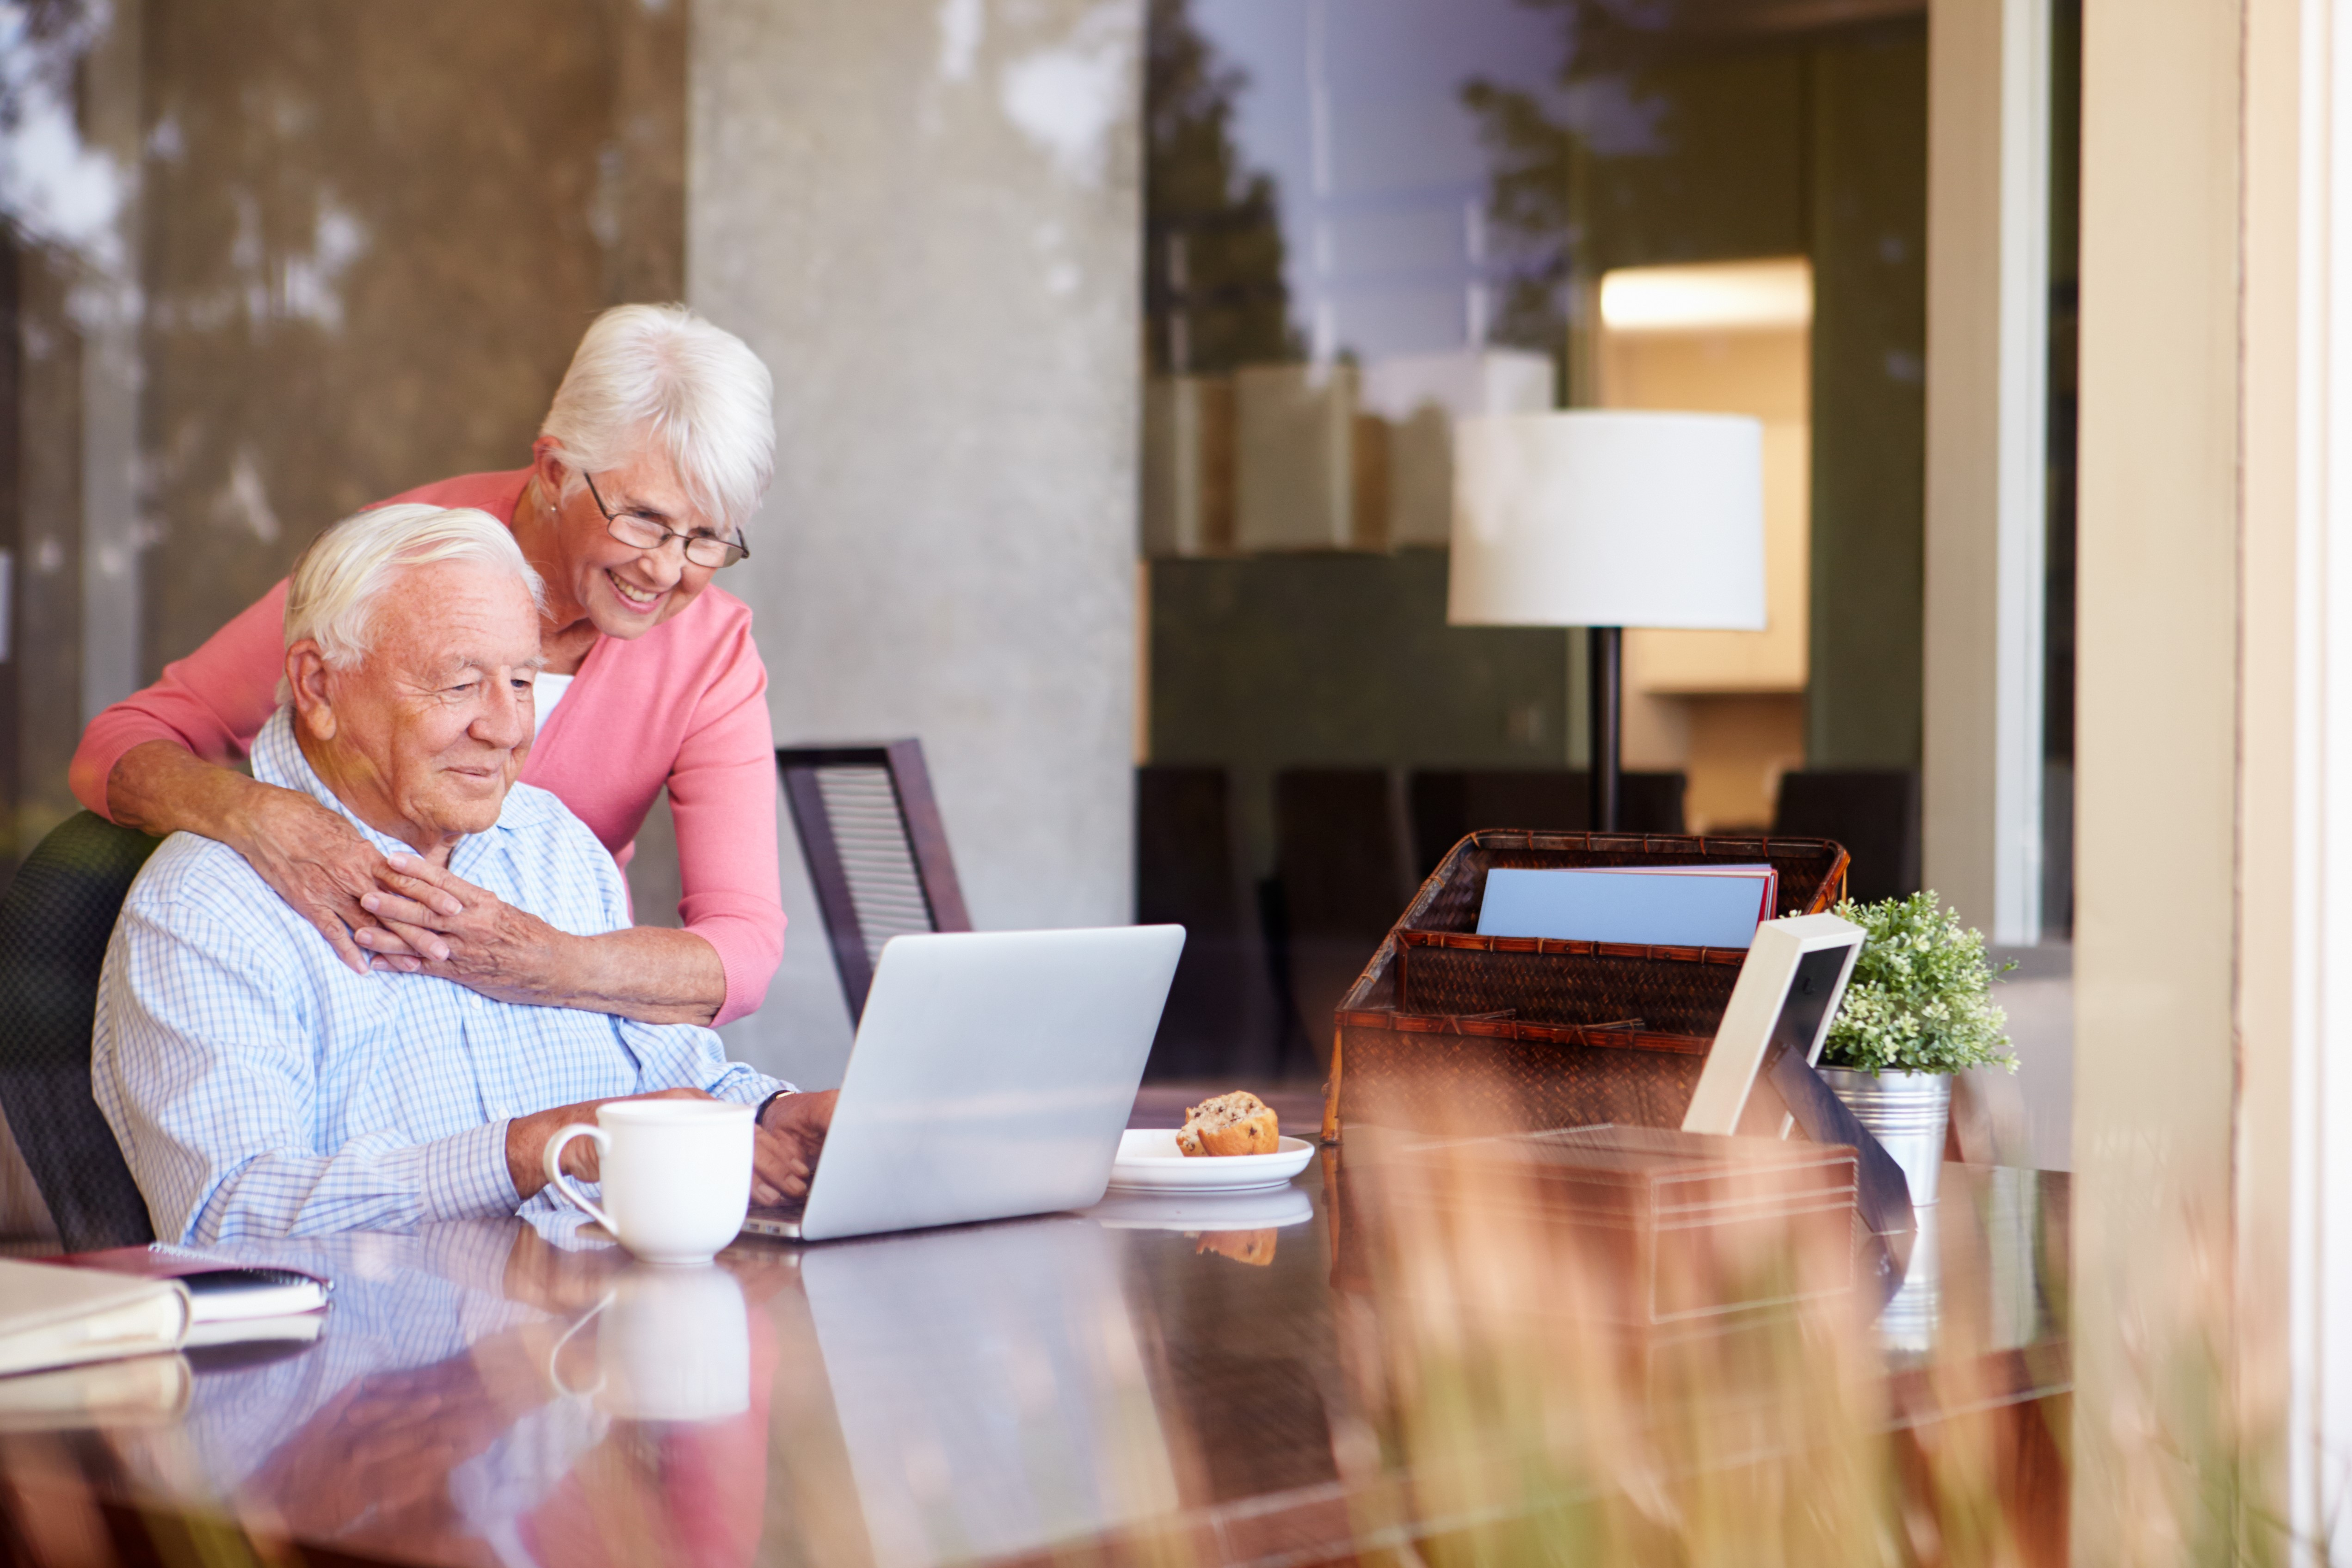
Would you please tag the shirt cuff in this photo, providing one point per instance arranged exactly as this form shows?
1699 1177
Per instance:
466 1174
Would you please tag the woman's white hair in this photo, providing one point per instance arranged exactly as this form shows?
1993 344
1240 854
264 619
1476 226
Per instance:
332 596
661 377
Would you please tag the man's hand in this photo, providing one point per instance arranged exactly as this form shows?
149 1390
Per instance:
528 1137
790 1137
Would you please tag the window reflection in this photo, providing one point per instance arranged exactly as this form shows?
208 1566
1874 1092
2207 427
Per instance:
1368 218
262 265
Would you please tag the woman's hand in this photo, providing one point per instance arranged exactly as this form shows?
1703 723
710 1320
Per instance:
445 925
318 862
432 922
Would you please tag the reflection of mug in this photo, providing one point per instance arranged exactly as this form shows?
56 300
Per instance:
675 1345
677 1175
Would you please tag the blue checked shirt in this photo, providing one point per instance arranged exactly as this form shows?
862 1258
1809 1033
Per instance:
260 1087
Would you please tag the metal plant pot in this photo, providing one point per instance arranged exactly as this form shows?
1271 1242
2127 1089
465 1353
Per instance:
1907 1113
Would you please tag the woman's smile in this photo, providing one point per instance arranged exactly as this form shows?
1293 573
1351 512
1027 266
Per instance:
635 598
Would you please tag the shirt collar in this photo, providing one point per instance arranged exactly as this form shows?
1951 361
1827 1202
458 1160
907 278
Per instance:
278 759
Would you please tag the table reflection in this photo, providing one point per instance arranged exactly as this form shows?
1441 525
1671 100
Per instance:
1324 1368
990 1389
482 1385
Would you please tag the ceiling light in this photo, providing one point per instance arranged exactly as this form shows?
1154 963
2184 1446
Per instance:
1709 297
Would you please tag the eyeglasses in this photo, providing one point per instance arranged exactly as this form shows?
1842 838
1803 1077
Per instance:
641 532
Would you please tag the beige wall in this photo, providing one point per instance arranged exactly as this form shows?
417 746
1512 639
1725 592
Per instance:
2190 949
2278 1117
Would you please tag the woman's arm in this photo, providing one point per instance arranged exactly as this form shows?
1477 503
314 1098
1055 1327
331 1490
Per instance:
310 856
722 791
473 936
209 705
154 762
723 802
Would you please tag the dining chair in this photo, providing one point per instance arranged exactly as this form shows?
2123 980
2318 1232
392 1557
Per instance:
1188 873
1344 870
1873 812
54 921
876 851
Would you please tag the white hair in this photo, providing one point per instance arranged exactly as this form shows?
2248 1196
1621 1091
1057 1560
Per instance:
333 595
661 377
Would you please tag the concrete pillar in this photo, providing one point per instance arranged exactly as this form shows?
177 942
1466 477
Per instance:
927 220
1987 396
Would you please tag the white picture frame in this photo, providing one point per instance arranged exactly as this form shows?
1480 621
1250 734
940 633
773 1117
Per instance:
1791 961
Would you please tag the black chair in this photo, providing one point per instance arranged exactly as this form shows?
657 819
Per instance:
1188 873
1873 812
876 851
54 921
1344 870
1449 802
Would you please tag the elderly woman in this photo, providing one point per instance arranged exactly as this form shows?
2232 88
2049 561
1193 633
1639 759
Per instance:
657 449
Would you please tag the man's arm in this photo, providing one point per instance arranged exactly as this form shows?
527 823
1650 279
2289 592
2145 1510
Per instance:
205 1067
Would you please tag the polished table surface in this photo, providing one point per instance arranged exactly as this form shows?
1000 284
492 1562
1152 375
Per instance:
1129 1384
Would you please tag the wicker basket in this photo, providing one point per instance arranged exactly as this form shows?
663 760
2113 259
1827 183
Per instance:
1447 1028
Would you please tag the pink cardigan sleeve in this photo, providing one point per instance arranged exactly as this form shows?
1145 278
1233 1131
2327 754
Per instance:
214 702
722 799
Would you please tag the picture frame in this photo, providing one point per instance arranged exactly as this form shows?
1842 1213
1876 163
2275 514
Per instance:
1760 1076
1787 994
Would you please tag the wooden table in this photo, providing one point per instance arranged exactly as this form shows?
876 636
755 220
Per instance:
1081 1389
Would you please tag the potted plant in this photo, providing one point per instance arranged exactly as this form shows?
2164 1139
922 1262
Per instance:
1919 1008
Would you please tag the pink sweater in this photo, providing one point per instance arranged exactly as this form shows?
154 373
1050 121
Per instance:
685 705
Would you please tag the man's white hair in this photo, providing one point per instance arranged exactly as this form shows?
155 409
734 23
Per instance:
659 378
336 584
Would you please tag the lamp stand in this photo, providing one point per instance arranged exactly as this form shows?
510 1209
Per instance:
1605 651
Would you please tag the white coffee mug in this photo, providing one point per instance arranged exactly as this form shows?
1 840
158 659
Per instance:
675 1345
677 1175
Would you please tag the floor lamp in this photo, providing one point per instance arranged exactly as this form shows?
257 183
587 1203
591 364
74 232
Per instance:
1607 519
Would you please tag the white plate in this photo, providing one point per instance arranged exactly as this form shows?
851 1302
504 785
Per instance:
1266 1209
1149 1161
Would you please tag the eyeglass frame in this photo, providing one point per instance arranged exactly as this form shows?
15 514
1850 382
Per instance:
687 541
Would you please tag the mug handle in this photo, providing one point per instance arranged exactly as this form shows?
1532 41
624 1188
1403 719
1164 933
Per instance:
555 1356
554 1161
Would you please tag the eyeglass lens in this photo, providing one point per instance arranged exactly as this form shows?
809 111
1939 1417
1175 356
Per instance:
645 534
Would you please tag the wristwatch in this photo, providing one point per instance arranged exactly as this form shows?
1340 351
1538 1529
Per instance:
760 1116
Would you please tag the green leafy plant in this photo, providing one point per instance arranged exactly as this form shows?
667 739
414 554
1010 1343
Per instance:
1921 997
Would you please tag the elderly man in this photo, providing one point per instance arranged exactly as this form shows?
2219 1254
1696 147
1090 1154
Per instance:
258 1086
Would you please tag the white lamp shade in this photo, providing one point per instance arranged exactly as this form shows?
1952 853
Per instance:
1596 517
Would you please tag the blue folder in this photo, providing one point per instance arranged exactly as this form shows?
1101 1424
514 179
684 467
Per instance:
1655 909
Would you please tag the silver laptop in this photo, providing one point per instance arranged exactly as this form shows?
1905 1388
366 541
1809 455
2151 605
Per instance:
991 1076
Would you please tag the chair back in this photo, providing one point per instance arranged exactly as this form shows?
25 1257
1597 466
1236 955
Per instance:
54 921
1219 1020
1344 866
876 851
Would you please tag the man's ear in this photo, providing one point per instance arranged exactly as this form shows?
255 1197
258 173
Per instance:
306 673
